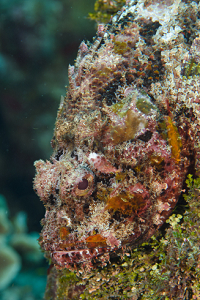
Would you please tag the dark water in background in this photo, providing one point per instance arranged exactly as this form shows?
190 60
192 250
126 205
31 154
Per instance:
38 41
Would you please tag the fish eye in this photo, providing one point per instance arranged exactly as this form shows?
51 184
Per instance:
83 184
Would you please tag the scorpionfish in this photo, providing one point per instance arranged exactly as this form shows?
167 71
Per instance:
126 136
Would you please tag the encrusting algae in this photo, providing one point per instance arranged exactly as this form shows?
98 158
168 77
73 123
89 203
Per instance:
126 137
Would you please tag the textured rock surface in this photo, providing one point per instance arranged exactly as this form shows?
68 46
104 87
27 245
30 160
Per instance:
126 135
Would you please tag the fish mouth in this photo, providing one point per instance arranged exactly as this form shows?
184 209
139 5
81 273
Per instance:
63 258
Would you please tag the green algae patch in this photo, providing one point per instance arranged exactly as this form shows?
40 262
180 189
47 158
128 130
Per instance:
118 109
103 10
191 69
144 105
121 47
62 285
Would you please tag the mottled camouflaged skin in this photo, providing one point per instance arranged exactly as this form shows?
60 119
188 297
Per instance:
126 136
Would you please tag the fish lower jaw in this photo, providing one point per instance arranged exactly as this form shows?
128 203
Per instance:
63 258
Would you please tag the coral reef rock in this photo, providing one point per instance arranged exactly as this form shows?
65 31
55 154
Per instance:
126 136
10 260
